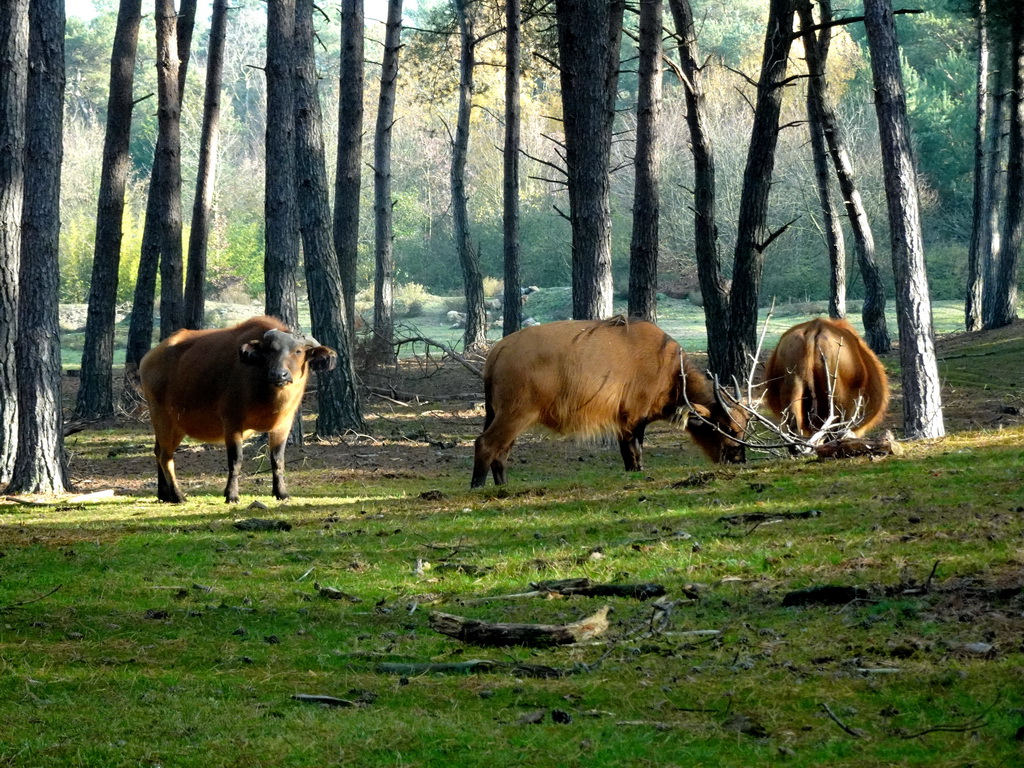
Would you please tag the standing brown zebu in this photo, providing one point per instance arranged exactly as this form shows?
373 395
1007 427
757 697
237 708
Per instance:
223 385
596 379
819 361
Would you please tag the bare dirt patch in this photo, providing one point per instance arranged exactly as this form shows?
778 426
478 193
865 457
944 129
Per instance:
423 414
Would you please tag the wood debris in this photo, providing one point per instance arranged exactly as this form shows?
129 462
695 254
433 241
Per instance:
478 632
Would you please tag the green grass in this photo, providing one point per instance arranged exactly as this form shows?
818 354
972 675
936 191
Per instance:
174 639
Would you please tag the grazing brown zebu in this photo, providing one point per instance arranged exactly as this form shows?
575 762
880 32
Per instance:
820 357
221 386
592 379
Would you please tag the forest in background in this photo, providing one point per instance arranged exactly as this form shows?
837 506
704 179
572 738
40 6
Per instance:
939 71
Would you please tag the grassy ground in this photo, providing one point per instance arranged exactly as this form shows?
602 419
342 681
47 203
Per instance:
175 639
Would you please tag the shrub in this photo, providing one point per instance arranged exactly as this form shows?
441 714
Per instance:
493 286
410 299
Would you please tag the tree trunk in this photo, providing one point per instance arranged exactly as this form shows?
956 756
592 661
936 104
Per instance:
169 93
995 182
876 332
40 465
469 257
140 326
336 393
709 267
154 231
184 27
922 402
753 235
348 179
588 35
1005 303
643 252
96 381
13 92
512 306
202 206
981 236
816 47
281 257
382 350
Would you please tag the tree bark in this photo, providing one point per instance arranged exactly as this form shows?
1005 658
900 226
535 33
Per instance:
13 92
281 257
512 306
184 27
995 182
206 174
709 267
981 235
382 350
588 46
1005 300
478 632
96 382
753 235
168 157
922 401
816 46
643 252
40 466
140 330
140 326
876 332
348 178
469 257
336 392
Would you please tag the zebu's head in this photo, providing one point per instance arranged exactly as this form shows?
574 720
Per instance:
287 357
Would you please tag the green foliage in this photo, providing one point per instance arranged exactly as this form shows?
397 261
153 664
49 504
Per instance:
947 270
939 70
77 241
131 253
241 255
410 299
731 31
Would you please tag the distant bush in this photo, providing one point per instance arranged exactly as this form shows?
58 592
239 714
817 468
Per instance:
947 270
493 286
549 304
410 299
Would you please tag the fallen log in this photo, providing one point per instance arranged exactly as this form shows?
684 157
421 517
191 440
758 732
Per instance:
586 588
469 667
762 517
335 594
848 448
326 701
258 524
478 632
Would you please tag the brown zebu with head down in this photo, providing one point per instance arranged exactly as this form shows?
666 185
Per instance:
223 385
811 355
597 378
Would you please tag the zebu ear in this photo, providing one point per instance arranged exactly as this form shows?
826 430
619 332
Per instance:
250 353
322 359
701 410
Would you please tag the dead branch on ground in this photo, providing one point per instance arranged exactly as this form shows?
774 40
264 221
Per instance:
29 602
478 632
